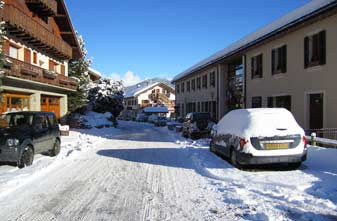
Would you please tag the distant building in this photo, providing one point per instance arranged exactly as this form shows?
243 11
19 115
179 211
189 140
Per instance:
94 75
289 63
149 93
39 42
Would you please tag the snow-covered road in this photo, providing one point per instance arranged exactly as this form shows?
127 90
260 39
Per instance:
140 172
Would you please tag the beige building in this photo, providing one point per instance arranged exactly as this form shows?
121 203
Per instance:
289 63
148 94
39 43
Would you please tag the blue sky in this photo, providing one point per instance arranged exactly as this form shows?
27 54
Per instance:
139 39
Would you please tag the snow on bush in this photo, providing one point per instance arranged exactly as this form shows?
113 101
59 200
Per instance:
106 96
94 119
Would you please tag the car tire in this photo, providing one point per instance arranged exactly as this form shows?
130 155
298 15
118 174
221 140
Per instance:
234 160
193 136
294 166
56 148
185 135
27 157
211 147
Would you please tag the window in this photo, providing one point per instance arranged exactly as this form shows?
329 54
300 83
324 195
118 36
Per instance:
188 86
193 84
178 88
204 81
280 101
256 66
182 87
234 92
40 122
51 65
13 52
315 50
256 102
199 83
34 57
212 79
279 60
14 102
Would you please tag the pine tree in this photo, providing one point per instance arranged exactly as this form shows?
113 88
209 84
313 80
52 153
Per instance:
78 69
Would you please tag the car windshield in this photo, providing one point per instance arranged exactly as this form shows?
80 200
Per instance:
16 120
199 116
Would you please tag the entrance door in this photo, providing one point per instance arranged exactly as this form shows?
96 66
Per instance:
316 111
51 104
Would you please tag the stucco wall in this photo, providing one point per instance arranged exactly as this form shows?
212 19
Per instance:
298 81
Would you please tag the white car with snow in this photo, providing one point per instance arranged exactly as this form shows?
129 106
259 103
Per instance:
259 136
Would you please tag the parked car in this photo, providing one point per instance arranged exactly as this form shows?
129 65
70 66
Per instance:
160 122
197 125
171 125
152 118
23 134
259 136
141 118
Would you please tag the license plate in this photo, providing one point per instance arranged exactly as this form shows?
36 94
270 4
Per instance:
275 146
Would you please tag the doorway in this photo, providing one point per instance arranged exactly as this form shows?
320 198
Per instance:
316 109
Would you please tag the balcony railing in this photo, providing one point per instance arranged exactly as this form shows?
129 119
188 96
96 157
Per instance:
23 70
160 97
43 7
29 30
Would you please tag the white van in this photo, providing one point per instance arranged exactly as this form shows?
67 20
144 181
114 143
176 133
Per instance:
259 136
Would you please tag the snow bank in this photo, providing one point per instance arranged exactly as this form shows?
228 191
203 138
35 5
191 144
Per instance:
96 119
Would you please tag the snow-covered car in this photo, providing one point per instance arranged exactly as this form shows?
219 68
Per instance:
259 136
141 117
23 134
160 122
152 118
197 124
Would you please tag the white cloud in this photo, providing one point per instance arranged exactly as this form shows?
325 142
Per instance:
129 78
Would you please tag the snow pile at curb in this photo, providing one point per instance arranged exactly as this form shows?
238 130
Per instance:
97 119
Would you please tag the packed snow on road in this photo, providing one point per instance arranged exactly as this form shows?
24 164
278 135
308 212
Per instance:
141 172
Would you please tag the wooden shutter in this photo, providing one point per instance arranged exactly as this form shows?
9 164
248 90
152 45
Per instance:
260 65
306 52
284 59
252 61
273 61
27 55
5 47
63 69
51 65
322 47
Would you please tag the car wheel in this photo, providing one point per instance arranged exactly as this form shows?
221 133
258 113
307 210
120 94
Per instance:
27 157
184 134
234 160
56 149
211 147
294 166
193 136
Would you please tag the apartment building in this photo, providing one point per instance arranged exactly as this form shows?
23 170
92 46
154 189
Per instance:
289 63
39 42
149 93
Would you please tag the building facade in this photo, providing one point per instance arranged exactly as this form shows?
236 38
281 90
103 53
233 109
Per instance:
289 63
152 95
39 42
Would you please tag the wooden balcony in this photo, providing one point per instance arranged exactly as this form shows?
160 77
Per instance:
164 98
23 70
42 7
35 34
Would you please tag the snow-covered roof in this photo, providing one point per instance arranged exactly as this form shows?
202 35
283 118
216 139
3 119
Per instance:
139 90
156 110
95 72
304 12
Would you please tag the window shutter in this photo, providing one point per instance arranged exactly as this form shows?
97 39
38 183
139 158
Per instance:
273 61
5 47
284 59
322 47
260 68
252 67
306 52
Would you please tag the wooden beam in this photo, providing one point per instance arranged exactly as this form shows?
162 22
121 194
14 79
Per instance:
66 33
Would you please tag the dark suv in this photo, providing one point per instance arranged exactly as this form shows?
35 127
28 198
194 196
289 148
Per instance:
197 124
23 134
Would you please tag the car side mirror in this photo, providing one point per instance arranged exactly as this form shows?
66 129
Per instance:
215 128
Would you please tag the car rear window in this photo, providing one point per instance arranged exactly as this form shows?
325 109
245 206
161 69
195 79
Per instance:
16 120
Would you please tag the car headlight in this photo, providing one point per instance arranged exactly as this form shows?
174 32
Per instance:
12 142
